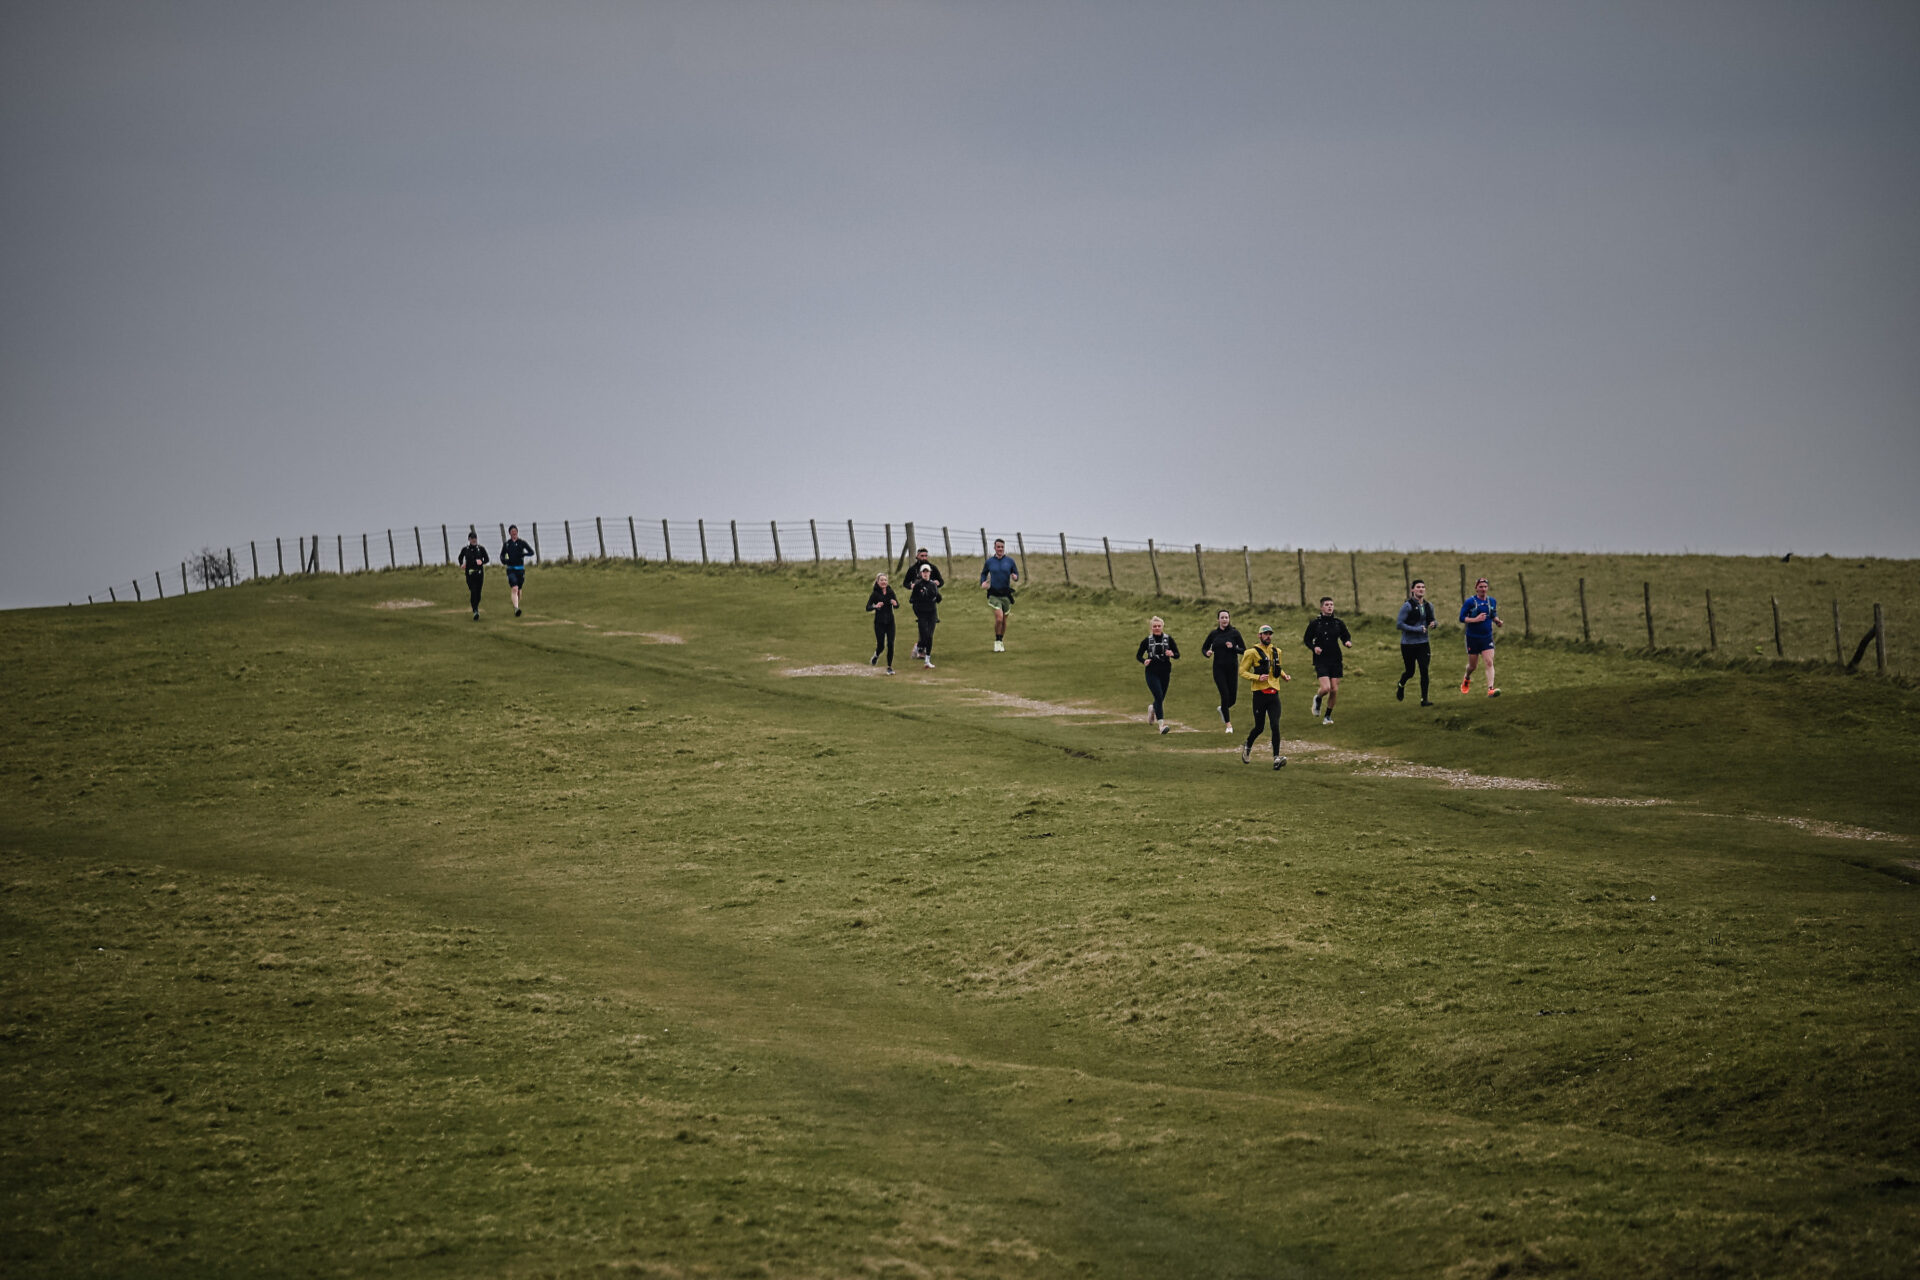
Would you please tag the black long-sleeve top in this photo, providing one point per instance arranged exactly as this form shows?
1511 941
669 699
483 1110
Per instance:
1326 631
924 596
1224 646
1157 652
882 598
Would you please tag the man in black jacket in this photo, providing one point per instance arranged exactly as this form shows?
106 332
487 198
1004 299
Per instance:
1326 636
473 558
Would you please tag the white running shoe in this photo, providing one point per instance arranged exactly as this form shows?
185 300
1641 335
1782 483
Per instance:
929 662
1165 727
1328 720
1229 730
999 646
1316 703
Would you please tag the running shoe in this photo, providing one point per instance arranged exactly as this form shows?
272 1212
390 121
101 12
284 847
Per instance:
889 670
874 661
1465 683
1400 692
1165 727
1316 704
929 662
1425 702
516 613
1246 753
1229 728
1279 762
1328 720
999 646
476 615
1493 693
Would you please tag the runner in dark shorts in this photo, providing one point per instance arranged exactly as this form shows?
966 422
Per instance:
513 554
1326 637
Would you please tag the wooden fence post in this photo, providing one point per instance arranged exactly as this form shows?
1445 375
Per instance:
366 556
279 560
136 591
1880 639
1463 584
253 548
1020 540
983 542
157 588
1839 653
633 538
566 530
339 553
1201 569
733 527
183 577
446 548
232 577
1646 596
1108 548
1526 611
701 522
1713 636
1151 560
1300 558
1246 559
393 557
814 529
1586 632
889 555
1353 567
316 553
775 526
1066 570
946 540
910 544
1778 650
1406 575
666 539
853 552
419 551
112 597
535 526
600 535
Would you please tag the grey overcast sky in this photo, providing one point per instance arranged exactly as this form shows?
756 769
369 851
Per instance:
1614 276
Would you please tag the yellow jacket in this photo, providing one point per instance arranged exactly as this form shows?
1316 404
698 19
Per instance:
1261 664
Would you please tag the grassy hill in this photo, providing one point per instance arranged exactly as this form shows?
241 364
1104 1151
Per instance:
348 939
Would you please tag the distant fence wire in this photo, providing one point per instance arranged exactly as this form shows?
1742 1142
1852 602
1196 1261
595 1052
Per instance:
1556 604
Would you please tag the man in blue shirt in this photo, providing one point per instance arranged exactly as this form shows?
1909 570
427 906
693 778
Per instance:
997 577
1481 614
513 554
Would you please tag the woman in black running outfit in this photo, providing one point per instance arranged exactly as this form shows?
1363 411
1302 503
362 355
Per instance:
924 596
1224 646
1157 653
881 602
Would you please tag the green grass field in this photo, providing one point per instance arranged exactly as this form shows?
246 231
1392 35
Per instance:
354 940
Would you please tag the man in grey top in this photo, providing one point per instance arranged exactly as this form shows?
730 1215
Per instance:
1415 621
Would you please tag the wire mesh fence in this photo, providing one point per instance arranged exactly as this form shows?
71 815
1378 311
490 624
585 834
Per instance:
1787 609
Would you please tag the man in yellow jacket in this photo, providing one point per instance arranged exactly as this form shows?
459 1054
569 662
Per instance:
1262 666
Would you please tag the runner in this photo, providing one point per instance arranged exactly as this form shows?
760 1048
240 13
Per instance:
924 597
1481 613
1157 653
473 558
913 571
882 604
513 554
1225 646
997 577
1261 665
1415 621
1326 636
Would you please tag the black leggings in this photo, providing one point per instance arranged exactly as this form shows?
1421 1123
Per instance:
1227 681
474 582
883 632
926 634
1410 654
1157 682
1266 707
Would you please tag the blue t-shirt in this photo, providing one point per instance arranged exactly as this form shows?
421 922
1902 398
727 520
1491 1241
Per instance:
1483 629
998 574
